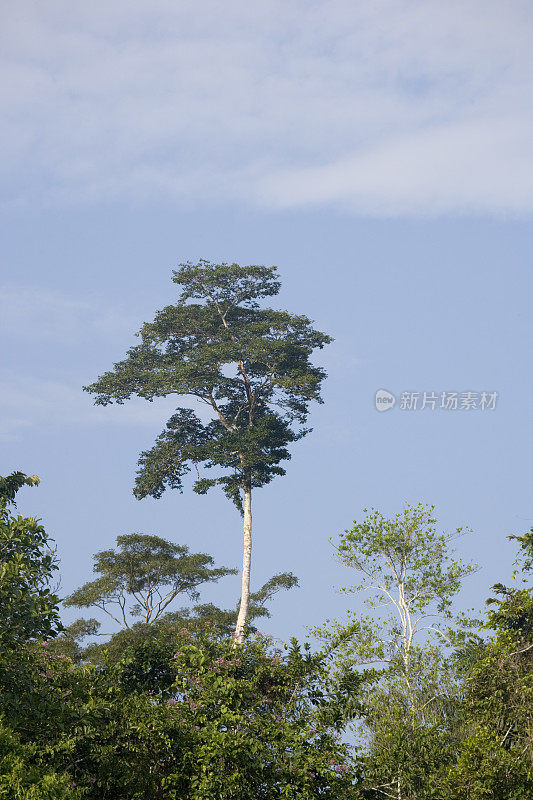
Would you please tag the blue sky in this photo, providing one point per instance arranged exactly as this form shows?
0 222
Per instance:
379 154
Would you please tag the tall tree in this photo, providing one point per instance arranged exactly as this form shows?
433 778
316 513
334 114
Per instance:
248 366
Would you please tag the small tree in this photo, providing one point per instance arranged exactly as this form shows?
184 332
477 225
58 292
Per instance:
27 563
142 577
248 366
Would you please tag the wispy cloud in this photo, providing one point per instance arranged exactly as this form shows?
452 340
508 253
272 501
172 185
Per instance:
471 166
30 402
389 107
36 404
30 312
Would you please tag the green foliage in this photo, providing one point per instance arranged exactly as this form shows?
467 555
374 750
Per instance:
29 607
69 641
10 485
263 722
168 709
207 719
248 366
406 551
23 779
408 574
143 576
405 760
496 757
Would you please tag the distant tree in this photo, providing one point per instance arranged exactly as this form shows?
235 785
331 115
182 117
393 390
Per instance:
69 643
29 608
204 619
143 577
250 369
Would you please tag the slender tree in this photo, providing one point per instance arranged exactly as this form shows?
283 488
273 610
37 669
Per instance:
409 574
250 368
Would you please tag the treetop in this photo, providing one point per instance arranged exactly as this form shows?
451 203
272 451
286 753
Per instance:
226 285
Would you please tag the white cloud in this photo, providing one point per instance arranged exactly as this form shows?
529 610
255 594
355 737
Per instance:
384 107
467 167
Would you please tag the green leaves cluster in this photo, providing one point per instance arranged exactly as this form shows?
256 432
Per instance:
496 756
406 551
450 714
27 564
408 573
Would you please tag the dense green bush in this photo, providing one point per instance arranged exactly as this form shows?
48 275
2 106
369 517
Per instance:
209 719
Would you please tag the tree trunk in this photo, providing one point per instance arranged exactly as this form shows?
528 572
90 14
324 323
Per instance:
238 635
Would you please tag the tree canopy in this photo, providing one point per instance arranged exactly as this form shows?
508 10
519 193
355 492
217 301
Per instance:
143 577
495 758
170 708
249 365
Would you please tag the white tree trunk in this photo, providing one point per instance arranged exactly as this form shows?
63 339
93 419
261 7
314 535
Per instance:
238 635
